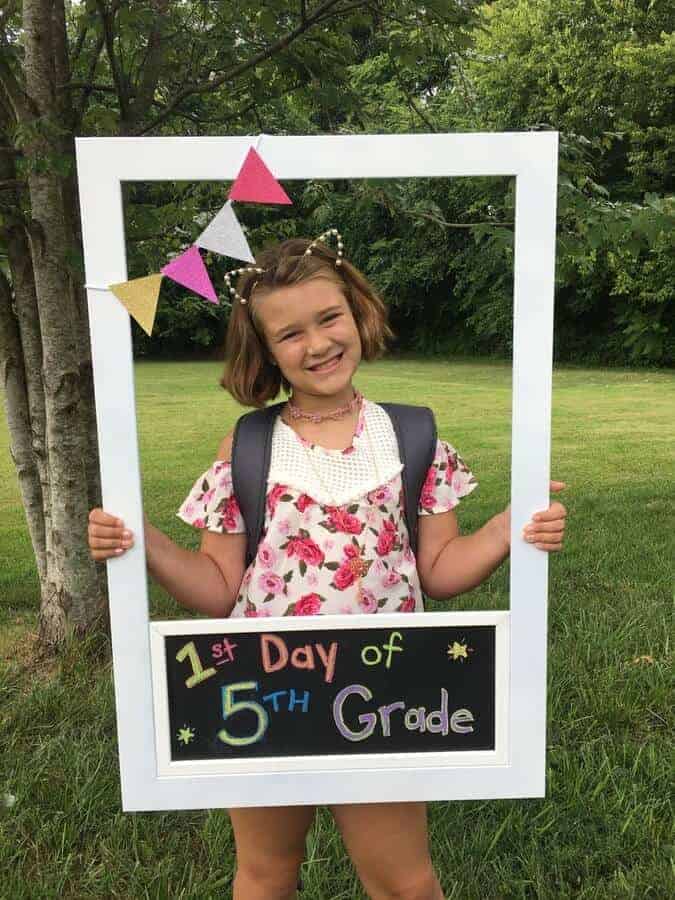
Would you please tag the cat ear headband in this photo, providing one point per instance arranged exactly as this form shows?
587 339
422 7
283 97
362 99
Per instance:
331 233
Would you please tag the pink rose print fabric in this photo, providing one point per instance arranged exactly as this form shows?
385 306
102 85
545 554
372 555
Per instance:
317 560
447 481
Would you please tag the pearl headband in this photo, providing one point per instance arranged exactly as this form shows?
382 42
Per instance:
331 233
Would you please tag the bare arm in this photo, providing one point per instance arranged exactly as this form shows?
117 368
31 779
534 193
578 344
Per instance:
206 580
449 563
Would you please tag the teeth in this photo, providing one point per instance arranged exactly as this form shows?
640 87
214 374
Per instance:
327 363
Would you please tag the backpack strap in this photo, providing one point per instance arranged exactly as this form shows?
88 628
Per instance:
415 430
416 433
251 454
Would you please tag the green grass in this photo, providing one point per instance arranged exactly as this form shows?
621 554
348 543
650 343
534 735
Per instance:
603 831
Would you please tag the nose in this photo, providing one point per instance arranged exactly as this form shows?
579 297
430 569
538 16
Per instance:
318 345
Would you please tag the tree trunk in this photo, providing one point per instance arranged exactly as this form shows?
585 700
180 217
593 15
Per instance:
72 598
20 424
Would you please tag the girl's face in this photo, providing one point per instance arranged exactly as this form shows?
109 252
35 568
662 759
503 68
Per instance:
312 336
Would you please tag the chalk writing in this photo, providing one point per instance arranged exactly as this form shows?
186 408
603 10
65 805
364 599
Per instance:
307 691
275 656
371 655
231 707
293 701
199 673
223 651
435 722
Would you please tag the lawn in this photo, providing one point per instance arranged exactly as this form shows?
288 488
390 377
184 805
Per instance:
604 829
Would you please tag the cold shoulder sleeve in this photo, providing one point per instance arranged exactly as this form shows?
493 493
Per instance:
211 503
447 481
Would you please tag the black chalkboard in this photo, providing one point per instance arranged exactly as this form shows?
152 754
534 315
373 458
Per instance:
295 693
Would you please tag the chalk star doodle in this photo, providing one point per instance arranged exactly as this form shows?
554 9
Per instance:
185 735
457 651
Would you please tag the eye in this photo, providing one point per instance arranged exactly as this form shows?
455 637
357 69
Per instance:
291 334
332 316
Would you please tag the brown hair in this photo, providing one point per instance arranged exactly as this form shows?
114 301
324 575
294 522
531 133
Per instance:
249 374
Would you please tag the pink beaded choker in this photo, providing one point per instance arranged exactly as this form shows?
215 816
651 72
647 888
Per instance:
296 413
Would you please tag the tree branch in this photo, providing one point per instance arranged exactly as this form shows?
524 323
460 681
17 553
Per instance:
410 100
144 91
415 108
207 87
344 9
88 86
18 100
79 43
219 121
107 16
438 221
89 89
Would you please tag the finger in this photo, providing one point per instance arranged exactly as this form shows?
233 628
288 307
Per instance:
557 486
544 528
108 531
555 511
102 555
97 543
101 517
543 538
548 547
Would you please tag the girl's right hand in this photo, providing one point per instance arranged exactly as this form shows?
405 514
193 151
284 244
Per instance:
107 535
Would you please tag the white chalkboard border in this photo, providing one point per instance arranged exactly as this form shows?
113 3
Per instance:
103 164
326 763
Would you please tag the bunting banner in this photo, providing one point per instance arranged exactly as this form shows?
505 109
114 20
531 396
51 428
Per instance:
224 235
256 184
139 297
189 270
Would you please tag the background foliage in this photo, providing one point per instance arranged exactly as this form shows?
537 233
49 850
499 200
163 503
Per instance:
600 72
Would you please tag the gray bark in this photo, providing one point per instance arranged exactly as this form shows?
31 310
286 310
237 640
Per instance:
19 424
21 360
76 294
71 596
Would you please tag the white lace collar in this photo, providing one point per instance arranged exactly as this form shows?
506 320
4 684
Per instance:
335 477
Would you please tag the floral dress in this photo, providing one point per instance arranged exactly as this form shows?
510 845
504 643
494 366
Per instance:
334 538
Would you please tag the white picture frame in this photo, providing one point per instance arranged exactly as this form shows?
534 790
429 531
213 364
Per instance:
517 769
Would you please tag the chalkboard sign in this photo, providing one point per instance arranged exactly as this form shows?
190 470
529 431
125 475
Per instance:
331 691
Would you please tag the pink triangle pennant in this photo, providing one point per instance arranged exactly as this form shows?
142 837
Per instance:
256 184
189 270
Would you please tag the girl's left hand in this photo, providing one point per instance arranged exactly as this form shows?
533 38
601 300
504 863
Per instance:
547 528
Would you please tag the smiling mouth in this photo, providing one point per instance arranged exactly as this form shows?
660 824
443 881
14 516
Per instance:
327 365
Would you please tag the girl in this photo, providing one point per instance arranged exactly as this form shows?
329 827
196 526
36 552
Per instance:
303 319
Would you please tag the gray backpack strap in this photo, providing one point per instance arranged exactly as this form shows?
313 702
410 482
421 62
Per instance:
415 429
251 453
